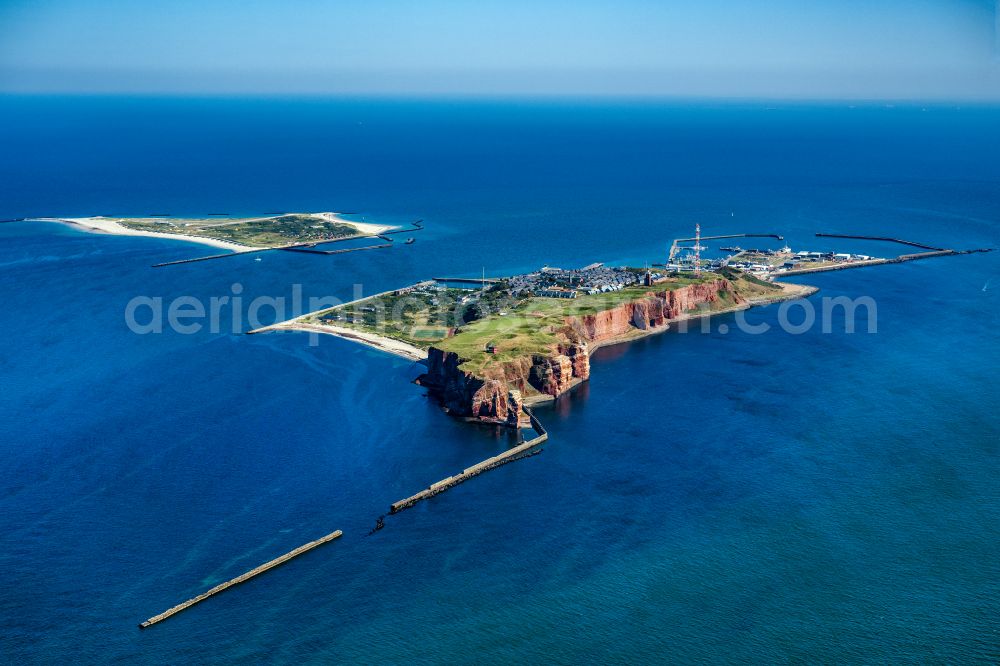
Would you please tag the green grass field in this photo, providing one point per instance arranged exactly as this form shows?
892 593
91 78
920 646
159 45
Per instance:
428 333
514 336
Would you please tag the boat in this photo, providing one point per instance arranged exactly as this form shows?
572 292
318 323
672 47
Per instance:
256 258
409 241
734 248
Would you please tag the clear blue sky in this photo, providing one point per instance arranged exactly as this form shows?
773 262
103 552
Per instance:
932 49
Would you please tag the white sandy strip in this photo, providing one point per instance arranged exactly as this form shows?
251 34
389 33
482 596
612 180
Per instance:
370 339
363 227
104 225
791 290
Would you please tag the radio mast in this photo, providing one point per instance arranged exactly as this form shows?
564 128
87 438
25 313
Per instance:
697 250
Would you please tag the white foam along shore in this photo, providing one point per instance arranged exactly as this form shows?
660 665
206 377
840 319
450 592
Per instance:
110 226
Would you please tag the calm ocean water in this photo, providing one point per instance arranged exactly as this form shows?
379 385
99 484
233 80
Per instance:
721 497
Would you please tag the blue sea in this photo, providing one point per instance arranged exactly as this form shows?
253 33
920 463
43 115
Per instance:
718 496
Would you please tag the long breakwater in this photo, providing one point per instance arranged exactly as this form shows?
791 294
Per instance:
523 450
518 452
240 579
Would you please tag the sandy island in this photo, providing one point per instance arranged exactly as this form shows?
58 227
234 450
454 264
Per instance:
110 226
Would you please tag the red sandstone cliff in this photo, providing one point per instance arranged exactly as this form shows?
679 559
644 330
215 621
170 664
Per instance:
463 394
497 397
653 311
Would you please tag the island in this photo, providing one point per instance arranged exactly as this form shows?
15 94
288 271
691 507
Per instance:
492 347
239 234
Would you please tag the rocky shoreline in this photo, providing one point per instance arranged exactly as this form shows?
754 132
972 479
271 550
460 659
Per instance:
499 397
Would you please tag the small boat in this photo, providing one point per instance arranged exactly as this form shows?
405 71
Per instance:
256 259
734 248
409 241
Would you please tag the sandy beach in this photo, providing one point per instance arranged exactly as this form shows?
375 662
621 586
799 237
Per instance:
364 227
106 226
369 339
789 291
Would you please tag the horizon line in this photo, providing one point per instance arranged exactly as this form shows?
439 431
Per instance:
501 96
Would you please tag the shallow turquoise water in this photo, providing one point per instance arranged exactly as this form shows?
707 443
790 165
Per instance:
722 496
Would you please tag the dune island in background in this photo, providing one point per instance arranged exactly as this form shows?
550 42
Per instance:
239 234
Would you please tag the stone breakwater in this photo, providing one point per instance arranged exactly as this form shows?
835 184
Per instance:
498 397
523 450
267 566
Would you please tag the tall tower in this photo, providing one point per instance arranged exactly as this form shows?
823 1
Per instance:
697 250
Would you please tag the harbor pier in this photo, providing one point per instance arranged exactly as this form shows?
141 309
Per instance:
885 239
674 248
